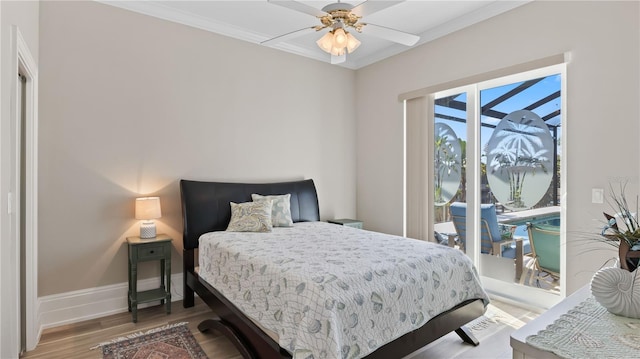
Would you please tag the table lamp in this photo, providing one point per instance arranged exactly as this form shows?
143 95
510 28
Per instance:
148 209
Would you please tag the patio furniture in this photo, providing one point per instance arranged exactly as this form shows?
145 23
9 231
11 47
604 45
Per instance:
545 249
490 234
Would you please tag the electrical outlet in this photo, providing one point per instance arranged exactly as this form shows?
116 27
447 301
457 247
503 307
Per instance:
597 195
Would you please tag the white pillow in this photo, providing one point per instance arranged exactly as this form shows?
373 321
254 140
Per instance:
281 209
250 217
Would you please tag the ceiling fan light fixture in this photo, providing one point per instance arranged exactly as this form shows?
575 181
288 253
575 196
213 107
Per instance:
337 51
352 43
326 42
339 38
337 18
337 42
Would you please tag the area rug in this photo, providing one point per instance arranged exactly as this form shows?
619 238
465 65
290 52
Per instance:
173 341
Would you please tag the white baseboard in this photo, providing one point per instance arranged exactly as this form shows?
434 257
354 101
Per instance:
85 304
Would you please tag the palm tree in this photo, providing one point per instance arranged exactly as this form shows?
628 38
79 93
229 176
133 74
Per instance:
519 151
446 159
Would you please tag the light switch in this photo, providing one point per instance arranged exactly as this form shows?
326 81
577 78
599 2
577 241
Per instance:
597 195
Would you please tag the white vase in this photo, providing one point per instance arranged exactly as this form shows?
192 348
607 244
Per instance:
618 290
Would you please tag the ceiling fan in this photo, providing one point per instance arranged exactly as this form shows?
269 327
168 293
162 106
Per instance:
340 17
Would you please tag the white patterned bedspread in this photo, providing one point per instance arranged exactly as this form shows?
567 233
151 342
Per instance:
332 291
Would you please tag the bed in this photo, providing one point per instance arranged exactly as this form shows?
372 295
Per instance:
244 311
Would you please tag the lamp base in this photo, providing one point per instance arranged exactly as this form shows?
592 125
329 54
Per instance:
147 230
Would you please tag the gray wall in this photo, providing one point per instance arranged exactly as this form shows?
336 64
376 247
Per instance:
602 112
130 104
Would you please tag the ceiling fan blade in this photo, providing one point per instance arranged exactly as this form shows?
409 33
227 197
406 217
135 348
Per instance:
369 7
298 6
338 59
386 33
288 36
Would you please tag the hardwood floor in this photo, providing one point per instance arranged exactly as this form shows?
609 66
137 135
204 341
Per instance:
75 340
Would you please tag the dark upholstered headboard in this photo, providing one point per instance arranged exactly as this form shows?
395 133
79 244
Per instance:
205 205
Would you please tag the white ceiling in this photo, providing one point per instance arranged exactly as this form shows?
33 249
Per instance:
257 21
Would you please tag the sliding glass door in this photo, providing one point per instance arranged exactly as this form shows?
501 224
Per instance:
497 155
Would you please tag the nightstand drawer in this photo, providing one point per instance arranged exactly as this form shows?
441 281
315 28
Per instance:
150 251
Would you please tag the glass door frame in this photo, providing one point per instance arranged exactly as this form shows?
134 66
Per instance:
513 291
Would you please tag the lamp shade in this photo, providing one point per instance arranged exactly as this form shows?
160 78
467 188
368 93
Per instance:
326 42
337 51
148 208
339 38
352 43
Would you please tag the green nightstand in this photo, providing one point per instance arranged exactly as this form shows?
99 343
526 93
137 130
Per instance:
143 250
347 222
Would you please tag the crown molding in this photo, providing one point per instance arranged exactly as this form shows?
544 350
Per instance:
441 30
170 14
161 11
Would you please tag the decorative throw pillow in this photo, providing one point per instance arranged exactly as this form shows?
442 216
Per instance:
281 209
250 217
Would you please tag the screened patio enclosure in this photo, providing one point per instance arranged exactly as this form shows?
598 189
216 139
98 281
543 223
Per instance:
540 96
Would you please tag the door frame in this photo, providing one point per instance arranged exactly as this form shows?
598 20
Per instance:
522 294
23 62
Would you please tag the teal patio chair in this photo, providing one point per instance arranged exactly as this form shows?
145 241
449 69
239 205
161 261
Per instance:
490 234
545 249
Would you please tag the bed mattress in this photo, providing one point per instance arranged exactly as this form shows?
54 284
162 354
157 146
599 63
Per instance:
331 291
